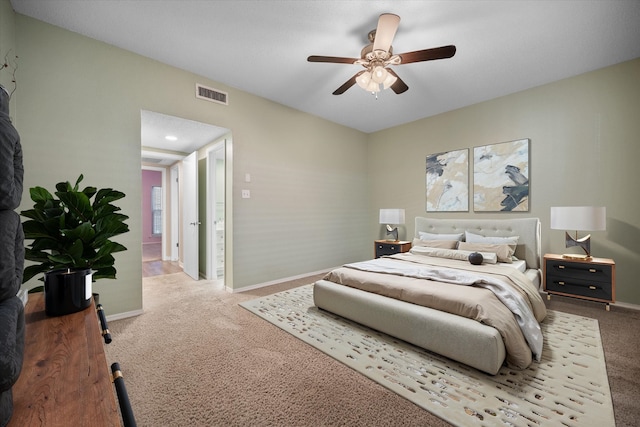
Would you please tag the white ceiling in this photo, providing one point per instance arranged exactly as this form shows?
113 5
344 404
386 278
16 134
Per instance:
261 46
190 136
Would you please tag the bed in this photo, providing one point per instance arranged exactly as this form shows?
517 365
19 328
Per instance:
491 320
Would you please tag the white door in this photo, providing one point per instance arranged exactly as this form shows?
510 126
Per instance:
190 223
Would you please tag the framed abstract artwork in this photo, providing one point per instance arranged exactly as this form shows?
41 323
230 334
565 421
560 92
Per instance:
448 181
501 177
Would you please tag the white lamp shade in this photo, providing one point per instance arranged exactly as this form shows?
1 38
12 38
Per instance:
391 216
584 218
389 81
379 74
363 80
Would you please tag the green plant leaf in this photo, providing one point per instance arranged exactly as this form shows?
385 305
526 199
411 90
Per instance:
44 244
78 205
35 214
39 194
109 227
37 256
64 187
75 251
34 229
104 261
32 271
80 178
103 210
84 232
90 191
110 247
105 273
62 259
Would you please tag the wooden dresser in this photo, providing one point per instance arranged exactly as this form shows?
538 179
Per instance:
65 379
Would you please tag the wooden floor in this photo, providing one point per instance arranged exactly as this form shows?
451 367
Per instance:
159 267
151 251
152 264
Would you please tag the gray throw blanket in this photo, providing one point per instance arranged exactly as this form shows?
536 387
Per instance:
11 170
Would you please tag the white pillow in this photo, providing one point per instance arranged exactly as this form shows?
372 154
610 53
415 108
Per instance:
443 244
433 236
477 238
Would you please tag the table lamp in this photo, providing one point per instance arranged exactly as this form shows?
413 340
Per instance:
392 217
583 218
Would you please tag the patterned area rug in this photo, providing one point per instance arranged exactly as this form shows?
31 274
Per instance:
569 386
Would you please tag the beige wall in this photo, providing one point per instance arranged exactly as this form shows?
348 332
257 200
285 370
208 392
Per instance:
584 150
79 105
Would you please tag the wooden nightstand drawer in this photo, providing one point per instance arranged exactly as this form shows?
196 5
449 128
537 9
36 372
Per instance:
580 270
384 247
585 288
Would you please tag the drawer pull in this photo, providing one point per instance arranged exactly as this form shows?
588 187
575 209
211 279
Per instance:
561 283
592 270
561 266
592 287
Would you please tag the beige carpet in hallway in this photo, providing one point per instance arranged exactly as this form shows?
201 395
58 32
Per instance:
195 358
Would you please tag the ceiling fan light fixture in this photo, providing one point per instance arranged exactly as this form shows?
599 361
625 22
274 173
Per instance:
379 74
373 87
389 81
364 79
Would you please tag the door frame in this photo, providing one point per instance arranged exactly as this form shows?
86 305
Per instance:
174 253
216 151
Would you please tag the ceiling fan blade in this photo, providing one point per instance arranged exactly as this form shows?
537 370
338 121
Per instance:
342 89
332 59
399 86
428 54
386 31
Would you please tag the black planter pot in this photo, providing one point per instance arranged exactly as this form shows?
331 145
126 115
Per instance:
67 291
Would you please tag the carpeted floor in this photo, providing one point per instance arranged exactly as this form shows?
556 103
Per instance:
195 358
568 386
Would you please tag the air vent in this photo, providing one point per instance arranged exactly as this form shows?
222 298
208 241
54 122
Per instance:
211 94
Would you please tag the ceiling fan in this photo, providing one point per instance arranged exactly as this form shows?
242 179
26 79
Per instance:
378 55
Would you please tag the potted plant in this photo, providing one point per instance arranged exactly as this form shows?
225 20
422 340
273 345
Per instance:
71 242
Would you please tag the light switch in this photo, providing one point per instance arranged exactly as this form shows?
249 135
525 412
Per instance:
246 194
247 177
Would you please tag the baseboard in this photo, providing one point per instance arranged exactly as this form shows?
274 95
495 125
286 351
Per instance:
126 314
627 305
275 282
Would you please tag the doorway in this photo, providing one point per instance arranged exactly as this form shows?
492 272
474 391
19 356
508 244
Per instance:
167 142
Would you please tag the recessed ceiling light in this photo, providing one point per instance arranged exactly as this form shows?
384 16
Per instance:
171 138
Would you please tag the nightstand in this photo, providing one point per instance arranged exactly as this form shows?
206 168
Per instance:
387 247
592 279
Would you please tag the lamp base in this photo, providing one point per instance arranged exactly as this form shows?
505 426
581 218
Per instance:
577 256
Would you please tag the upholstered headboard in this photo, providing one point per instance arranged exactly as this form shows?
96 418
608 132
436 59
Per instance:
528 230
